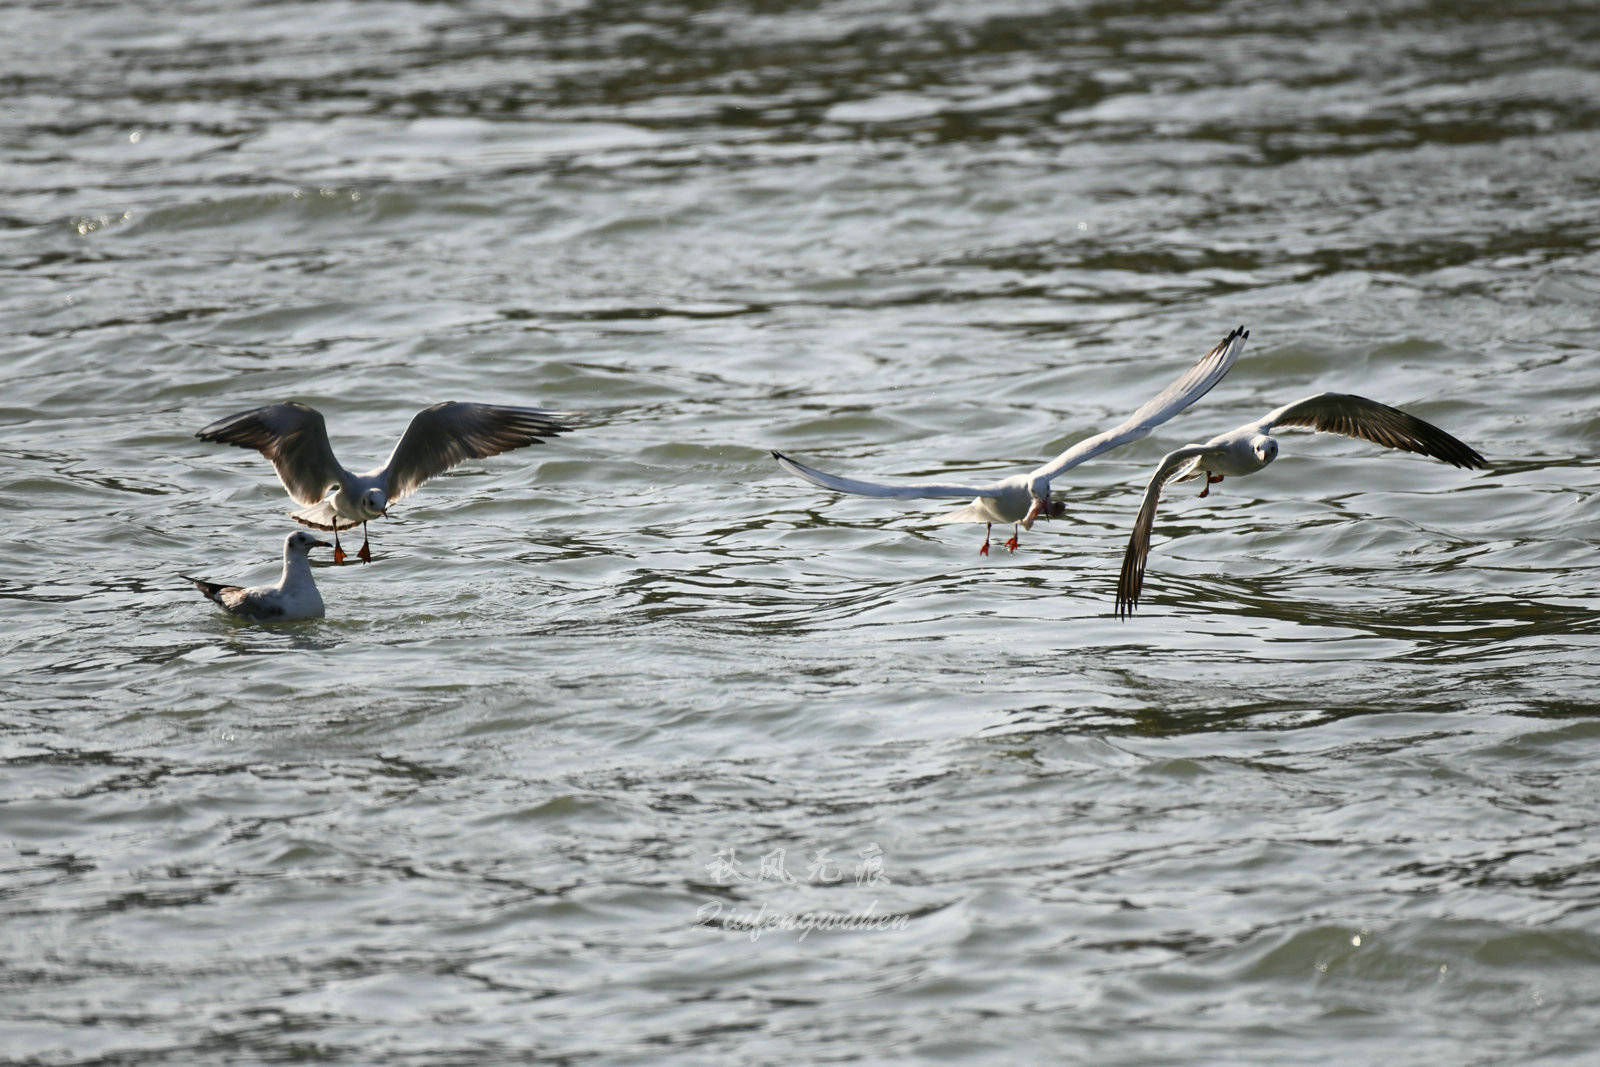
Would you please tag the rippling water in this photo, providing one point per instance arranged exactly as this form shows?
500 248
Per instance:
583 764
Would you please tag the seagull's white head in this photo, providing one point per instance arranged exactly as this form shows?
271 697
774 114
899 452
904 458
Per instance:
1265 448
1041 505
374 503
301 542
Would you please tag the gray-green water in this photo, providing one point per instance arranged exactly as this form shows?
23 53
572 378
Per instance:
1327 798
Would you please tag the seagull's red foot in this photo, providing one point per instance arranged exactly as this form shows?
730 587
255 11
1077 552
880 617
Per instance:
984 551
365 555
1011 543
1211 479
338 555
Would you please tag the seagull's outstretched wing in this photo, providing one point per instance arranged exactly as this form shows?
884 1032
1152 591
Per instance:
1356 416
293 436
1195 383
1131 580
899 492
449 433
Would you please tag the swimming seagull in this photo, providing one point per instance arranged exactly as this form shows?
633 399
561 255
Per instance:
295 438
1022 498
294 597
1250 447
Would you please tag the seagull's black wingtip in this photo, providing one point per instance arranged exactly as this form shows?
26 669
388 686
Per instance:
208 589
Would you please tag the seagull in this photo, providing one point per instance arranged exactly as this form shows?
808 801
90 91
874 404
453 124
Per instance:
294 597
295 438
1022 498
1250 447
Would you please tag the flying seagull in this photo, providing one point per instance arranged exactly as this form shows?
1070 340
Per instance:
295 438
294 597
1250 447
1022 498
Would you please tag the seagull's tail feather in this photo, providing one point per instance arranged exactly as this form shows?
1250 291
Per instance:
973 512
321 516
210 590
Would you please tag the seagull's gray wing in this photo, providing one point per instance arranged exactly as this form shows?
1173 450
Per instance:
1356 416
1131 580
294 437
236 600
1194 383
879 489
252 604
449 433
210 590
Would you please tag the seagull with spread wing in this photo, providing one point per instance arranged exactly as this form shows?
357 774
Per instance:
1251 447
1022 498
295 438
